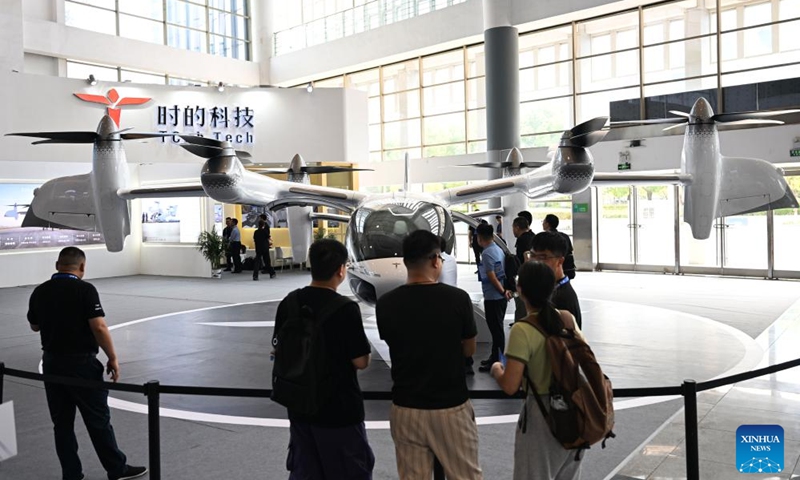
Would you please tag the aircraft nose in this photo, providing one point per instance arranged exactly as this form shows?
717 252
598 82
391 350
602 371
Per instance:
297 164
701 109
514 157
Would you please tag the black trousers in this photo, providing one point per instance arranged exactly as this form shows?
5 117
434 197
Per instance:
235 251
495 311
93 405
263 262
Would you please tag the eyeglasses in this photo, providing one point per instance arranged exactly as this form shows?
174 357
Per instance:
437 255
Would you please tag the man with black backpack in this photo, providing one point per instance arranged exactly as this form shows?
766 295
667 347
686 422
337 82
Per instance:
318 384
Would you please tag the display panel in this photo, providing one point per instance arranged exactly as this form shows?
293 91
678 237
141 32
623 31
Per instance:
20 229
171 220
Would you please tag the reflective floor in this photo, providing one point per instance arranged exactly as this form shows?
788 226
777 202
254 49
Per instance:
647 330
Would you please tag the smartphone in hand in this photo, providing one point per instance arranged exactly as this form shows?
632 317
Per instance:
503 359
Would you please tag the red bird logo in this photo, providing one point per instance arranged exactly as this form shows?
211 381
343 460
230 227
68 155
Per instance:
113 101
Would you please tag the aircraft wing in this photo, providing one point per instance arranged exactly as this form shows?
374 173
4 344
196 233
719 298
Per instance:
610 179
163 191
752 185
536 184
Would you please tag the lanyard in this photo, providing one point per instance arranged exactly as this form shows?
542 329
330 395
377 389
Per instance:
64 275
562 282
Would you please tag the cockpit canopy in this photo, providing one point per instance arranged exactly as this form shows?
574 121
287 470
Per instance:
378 230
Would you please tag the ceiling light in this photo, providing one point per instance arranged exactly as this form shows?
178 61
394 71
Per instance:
220 87
310 87
91 80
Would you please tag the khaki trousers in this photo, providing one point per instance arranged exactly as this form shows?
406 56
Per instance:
449 433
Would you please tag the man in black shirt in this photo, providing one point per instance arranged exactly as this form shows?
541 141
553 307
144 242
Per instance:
226 240
549 248
332 444
261 241
550 224
521 229
67 313
430 329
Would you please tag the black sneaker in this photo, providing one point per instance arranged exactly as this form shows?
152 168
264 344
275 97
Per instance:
130 472
273 275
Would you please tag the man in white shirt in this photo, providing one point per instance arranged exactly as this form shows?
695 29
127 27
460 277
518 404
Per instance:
449 274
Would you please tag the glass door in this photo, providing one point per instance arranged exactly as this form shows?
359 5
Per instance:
745 241
615 225
655 225
787 232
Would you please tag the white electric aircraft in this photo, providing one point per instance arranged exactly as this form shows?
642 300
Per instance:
378 223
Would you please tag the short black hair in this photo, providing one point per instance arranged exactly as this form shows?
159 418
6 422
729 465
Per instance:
227 218
327 256
261 224
521 223
263 216
551 220
235 221
527 216
71 257
418 247
550 241
485 231
498 217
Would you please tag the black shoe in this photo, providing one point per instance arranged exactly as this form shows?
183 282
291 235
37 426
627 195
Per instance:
226 269
236 271
485 368
130 472
489 361
273 275
255 279
469 371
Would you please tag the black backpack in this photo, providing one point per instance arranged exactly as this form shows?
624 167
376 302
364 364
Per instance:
301 374
511 265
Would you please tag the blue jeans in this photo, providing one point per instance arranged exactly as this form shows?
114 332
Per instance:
320 453
93 405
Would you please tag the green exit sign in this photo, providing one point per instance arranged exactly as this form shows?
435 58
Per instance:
580 208
795 152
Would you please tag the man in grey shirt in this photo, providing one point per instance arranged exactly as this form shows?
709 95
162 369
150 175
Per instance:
235 246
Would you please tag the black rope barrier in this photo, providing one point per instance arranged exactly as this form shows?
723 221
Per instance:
153 391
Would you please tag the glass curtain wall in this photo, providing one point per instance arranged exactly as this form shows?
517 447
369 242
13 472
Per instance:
218 27
570 73
110 73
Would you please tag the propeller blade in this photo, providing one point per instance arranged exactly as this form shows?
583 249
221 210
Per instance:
203 150
142 136
587 139
732 117
242 154
752 121
209 142
676 126
269 171
679 113
491 165
324 169
532 164
592 125
60 137
654 121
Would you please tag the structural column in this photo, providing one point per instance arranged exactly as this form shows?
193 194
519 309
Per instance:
501 50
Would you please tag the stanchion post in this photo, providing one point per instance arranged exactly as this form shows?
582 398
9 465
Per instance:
690 412
151 389
2 379
438 470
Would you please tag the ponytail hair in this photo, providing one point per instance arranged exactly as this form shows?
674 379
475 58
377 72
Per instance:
537 282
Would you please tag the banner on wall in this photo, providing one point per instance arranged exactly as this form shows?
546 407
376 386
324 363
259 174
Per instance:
15 199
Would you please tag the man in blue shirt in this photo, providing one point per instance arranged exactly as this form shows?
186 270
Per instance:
491 273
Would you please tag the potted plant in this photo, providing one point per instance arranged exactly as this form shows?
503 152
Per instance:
211 246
